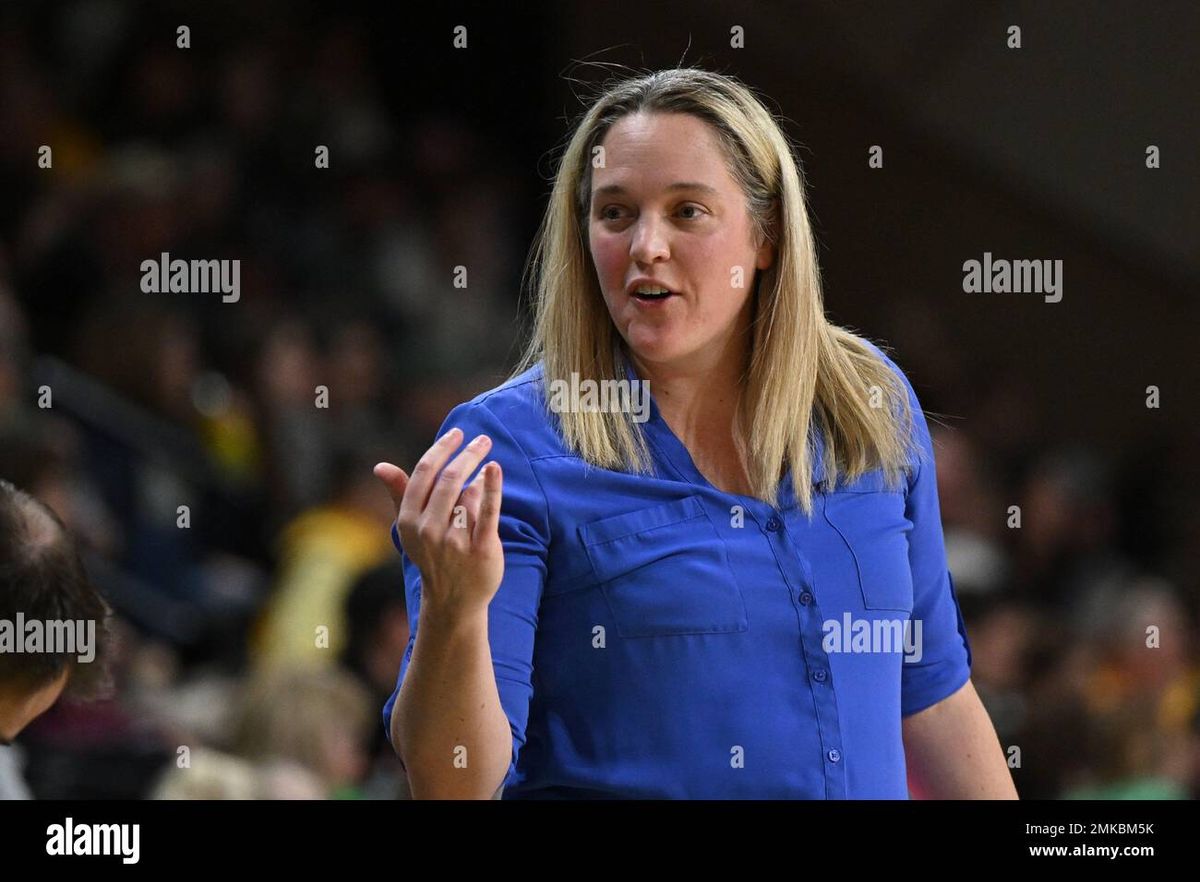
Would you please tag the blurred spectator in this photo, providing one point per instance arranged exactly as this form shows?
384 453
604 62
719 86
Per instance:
43 583
213 775
1068 524
317 718
377 624
323 552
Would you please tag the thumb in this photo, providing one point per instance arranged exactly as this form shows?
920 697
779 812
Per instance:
394 478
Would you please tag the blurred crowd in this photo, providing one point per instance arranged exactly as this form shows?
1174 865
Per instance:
234 522
215 458
1075 569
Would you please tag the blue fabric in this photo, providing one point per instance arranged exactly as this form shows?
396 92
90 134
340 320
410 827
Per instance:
654 637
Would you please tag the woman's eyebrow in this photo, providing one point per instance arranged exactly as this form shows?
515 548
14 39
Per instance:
616 189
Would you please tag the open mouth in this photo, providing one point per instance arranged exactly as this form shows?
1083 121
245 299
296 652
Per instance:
649 298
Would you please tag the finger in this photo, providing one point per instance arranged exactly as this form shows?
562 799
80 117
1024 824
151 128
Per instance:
462 517
394 479
453 476
470 499
488 521
420 485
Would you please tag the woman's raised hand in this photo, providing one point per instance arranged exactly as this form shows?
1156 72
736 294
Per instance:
450 533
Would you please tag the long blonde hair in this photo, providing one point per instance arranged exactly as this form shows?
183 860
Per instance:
805 373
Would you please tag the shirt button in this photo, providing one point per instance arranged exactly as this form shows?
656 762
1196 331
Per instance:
806 598
820 676
834 755
773 524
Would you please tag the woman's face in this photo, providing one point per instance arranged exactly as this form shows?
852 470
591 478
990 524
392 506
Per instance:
665 207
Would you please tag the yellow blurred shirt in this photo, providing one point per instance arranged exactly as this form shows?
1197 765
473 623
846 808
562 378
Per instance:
323 552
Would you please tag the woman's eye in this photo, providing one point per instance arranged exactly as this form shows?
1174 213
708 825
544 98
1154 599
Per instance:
614 212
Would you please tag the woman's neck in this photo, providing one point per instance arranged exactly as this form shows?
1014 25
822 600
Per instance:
699 404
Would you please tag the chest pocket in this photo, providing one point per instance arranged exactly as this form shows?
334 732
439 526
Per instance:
871 521
664 570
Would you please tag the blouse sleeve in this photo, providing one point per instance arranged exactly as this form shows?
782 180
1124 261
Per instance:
944 662
513 612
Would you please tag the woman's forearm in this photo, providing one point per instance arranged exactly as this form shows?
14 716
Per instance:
953 752
447 724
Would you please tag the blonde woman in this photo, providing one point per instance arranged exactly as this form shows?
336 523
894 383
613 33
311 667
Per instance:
735 587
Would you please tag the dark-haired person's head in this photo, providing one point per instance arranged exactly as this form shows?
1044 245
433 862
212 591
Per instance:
377 625
52 619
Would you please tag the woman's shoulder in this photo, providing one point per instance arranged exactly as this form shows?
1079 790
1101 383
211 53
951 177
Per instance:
516 407
522 390
912 425
882 353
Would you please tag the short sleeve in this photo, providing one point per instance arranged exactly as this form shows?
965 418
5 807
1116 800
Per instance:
513 612
943 664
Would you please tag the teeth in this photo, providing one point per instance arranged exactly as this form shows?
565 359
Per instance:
650 289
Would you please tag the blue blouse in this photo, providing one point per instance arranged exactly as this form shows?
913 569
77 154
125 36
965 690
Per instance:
654 637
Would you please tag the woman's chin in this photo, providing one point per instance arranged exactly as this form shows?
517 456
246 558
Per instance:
652 348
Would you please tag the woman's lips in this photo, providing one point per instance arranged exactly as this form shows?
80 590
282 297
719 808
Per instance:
650 300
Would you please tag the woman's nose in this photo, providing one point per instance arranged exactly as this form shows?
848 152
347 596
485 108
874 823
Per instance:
649 241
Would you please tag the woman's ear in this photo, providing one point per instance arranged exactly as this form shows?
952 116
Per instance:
765 256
